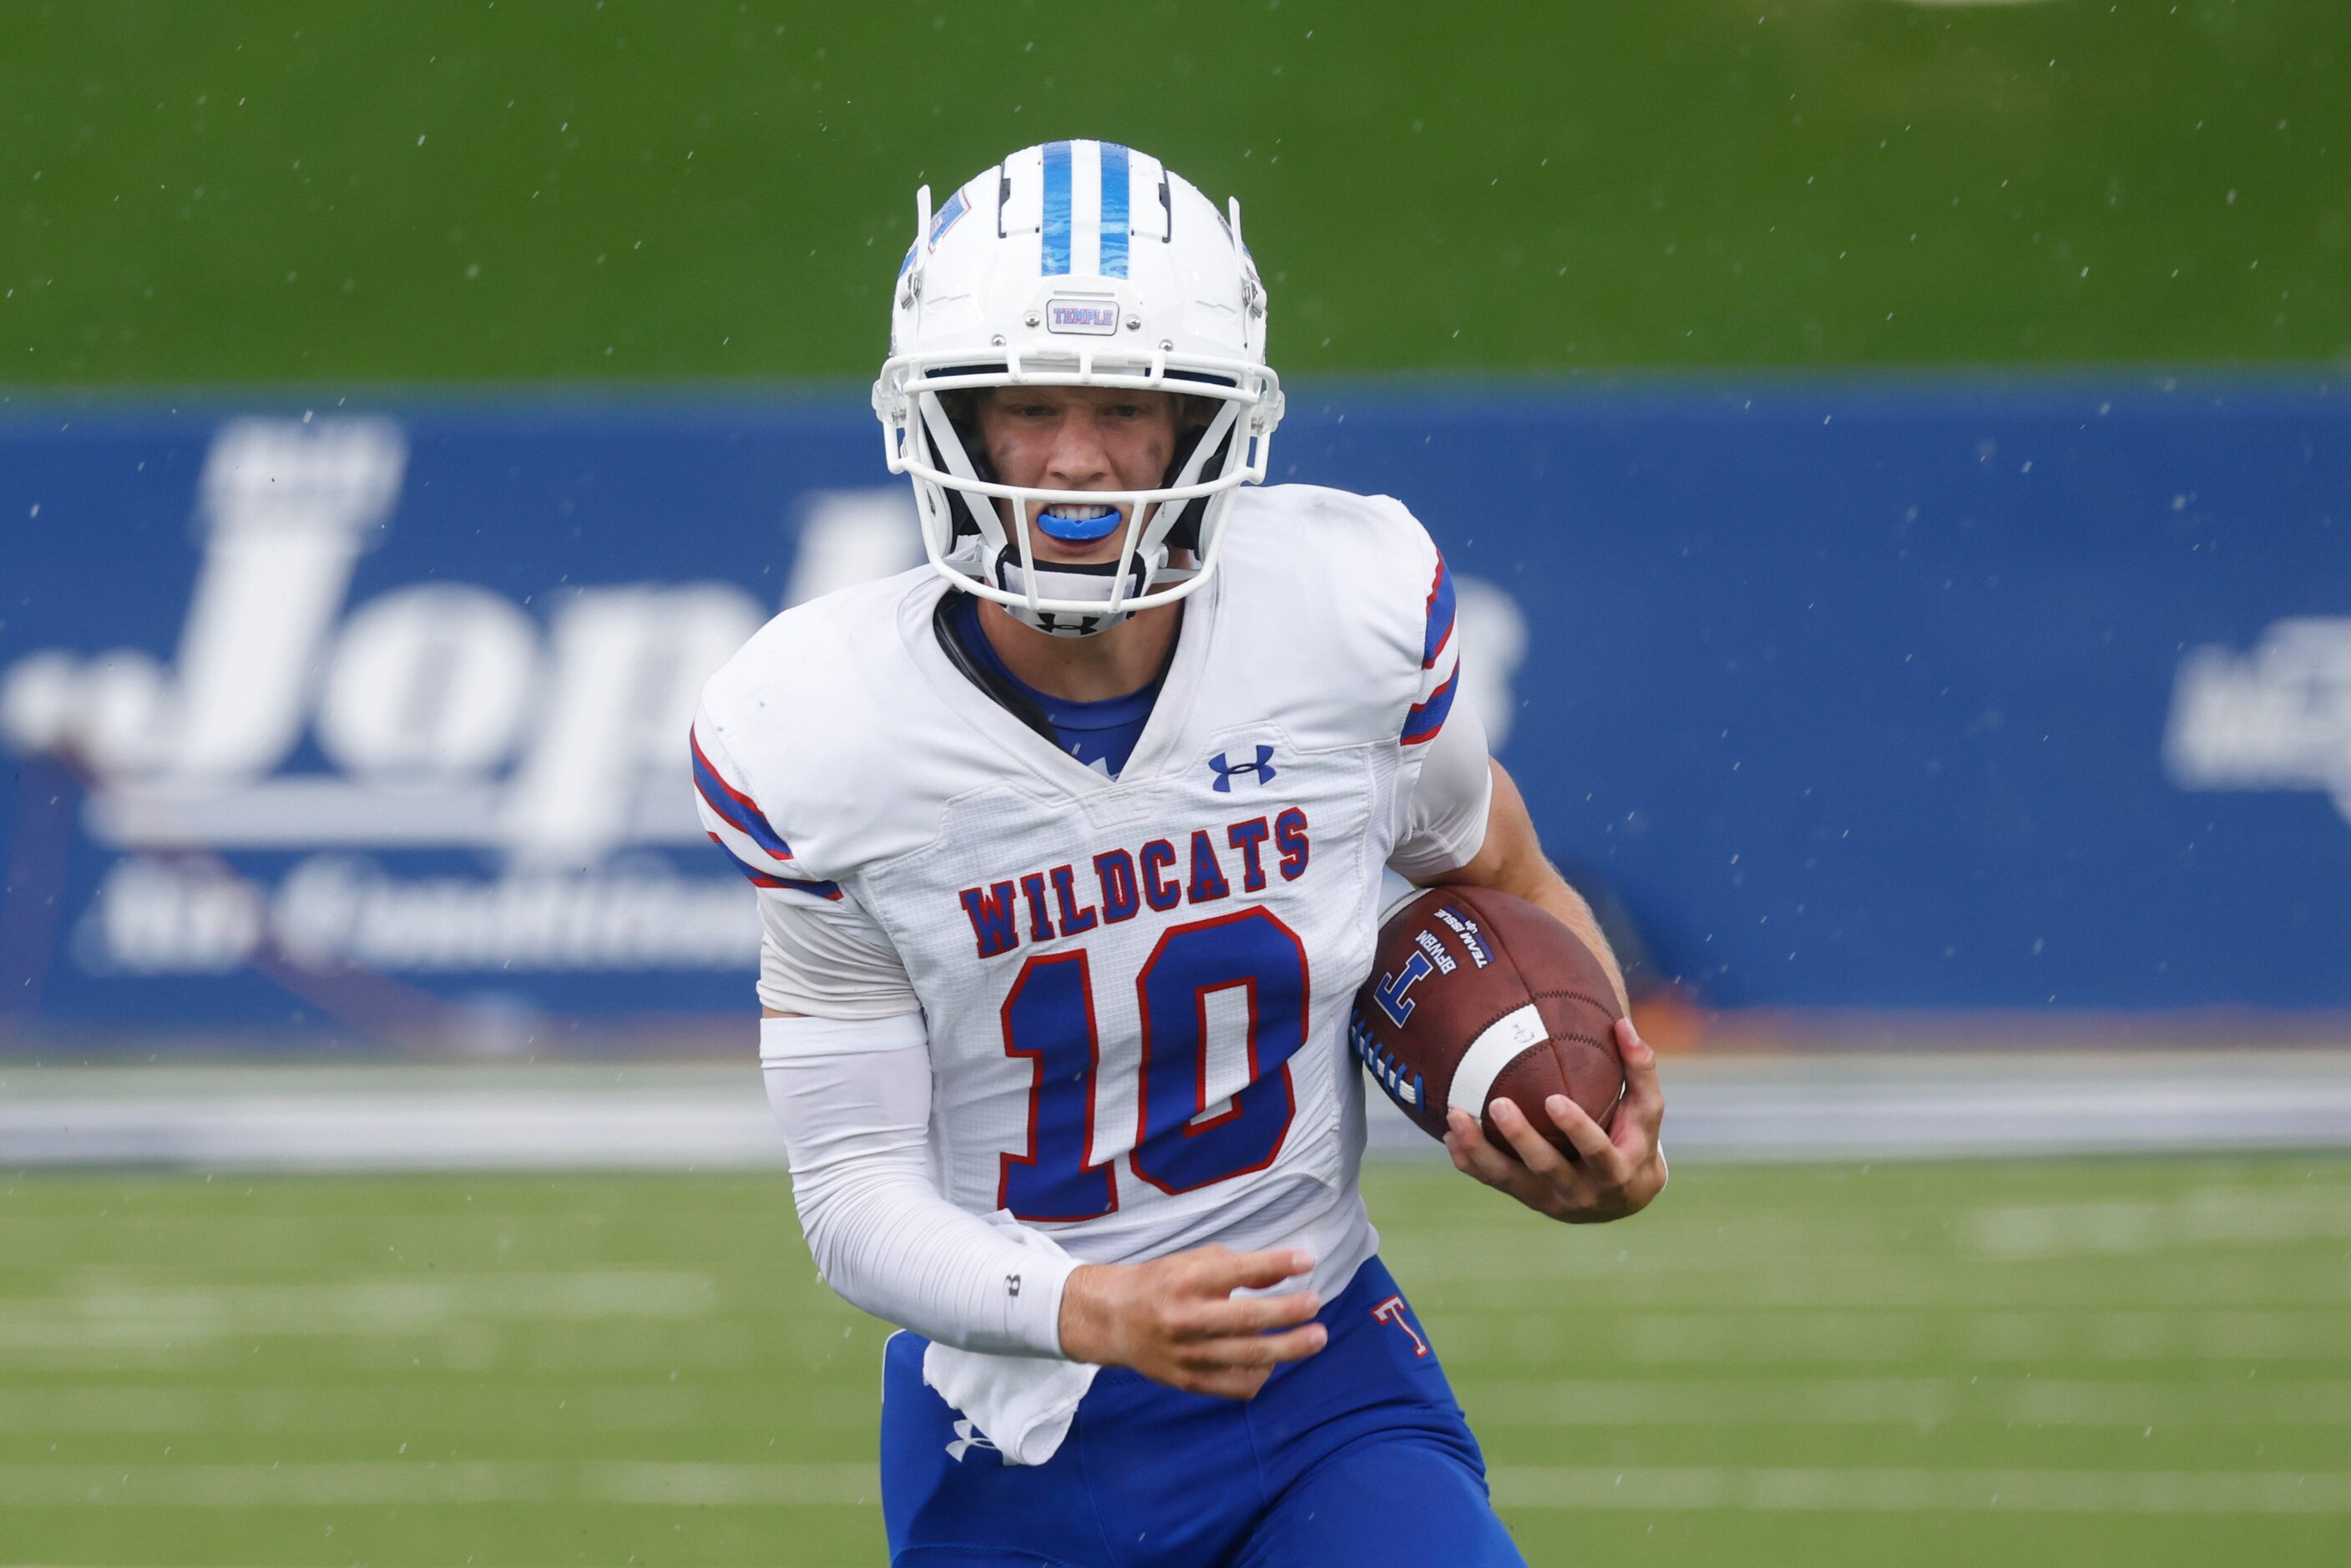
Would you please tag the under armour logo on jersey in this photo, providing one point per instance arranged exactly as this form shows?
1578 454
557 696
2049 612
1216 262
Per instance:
1262 768
967 1438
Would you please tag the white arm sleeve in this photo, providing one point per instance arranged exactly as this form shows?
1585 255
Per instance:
1445 824
854 1098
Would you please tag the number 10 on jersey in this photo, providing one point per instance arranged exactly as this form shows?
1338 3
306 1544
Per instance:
1048 1019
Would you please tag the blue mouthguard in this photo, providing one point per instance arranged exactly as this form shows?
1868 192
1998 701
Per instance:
1077 530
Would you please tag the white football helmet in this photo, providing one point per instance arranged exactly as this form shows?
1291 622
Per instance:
1076 264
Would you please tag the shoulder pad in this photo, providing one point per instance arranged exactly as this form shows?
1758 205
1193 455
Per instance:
801 727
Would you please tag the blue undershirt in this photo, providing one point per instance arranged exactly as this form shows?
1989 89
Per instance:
1102 735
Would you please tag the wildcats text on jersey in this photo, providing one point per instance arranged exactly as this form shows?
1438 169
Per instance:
1124 882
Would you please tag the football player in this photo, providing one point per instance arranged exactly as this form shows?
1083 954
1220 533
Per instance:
1070 849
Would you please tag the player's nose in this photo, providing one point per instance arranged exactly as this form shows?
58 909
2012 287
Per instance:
1080 460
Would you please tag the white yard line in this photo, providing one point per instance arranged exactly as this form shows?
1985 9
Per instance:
1919 1403
635 1406
433 1482
2225 1335
2326 1493
1841 1105
1926 1492
1937 1403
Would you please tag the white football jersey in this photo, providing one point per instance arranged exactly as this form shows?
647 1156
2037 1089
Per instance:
1135 989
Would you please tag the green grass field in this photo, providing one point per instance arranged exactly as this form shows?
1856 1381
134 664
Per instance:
2144 1363
457 190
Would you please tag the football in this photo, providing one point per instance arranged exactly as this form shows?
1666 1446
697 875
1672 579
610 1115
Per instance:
1475 995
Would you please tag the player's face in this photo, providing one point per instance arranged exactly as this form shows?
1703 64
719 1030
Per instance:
1078 438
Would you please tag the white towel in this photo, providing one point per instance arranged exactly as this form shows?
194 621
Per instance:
1021 1404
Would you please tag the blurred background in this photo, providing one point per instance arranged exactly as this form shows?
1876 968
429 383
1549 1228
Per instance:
1896 457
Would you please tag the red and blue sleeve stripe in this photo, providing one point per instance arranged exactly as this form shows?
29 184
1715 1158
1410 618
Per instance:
736 811
1440 617
826 890
734 808
1428 715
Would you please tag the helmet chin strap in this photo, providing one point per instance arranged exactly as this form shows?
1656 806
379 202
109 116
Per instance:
1095 581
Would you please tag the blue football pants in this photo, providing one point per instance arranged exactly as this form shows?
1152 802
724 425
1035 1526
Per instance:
1355 1457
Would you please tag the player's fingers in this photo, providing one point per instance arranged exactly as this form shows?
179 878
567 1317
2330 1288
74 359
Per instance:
1273 1349
1465 1141
1258 1354
1602 1157
1255 1314
1474 1155
1458 1130
1234 1382
1219 1272
1537 1153
1644 1096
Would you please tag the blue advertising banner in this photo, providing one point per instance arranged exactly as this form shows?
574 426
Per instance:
1882 695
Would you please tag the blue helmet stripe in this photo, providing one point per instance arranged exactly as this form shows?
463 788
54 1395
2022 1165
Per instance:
1057 208
1114 210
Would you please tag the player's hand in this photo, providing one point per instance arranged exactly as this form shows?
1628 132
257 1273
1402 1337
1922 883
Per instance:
1176 1321
1618 1173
